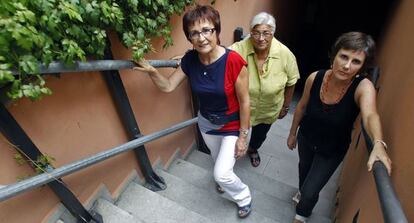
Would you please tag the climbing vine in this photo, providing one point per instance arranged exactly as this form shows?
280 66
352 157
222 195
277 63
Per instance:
40 165
34 32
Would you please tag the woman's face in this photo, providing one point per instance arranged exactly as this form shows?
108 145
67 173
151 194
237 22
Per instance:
347 63
203 37
261 37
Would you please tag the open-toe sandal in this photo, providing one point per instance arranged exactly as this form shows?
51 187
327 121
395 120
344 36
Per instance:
296 198
245 210
254 159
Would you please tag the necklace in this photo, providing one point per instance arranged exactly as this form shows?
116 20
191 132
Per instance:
325 88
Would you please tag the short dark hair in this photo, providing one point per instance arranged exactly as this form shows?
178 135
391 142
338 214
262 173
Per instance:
202 12
356 41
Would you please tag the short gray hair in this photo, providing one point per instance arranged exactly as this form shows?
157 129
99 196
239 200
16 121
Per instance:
264 18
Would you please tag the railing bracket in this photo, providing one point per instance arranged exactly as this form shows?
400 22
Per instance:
156 183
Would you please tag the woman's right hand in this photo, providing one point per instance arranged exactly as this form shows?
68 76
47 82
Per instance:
291 141
144 66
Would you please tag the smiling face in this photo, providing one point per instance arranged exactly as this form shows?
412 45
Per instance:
347 63
203 36
261 37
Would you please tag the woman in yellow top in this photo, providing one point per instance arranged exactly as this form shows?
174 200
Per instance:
273 73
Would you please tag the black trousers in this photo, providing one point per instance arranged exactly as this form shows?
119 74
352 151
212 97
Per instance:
315 170
258 136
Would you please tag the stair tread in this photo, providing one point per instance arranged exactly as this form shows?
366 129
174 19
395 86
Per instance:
113 214
151 207
204 202
261 187
261 182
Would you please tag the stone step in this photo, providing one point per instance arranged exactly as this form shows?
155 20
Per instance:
113 214
283 190
205 161
151 207
264 202
255 180
206 202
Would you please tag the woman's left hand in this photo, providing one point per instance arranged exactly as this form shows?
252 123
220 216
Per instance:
379 154
241 148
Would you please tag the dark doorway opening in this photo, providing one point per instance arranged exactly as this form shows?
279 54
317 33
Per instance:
317 23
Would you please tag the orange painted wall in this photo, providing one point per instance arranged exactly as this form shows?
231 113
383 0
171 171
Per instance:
396 107
80 119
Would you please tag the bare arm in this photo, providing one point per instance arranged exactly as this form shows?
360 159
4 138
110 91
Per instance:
288 98
365 97
165 84
299 111
242 91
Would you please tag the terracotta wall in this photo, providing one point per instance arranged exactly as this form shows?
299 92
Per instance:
80 119
396 107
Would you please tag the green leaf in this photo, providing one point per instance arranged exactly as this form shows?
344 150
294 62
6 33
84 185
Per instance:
6 76
70 10
29 64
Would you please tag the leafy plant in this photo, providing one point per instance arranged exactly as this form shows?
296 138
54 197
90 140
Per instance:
40 164
34 32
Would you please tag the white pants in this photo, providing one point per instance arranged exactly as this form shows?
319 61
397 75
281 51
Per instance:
222 150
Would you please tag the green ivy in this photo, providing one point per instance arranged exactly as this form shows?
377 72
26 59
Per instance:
34 32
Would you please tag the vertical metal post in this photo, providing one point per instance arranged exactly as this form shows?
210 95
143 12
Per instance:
16 135
119 95
238 34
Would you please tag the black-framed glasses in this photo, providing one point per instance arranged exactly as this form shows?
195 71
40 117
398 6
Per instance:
206 32
257 35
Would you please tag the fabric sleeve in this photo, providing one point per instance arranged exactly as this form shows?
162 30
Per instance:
185 61
292 70
236 63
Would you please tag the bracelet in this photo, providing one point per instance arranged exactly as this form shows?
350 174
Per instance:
286 108
382 142
244 132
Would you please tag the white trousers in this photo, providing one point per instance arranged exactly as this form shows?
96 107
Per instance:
222 150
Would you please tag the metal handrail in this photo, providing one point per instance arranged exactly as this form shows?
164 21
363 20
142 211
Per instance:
390 204
44 178
99 65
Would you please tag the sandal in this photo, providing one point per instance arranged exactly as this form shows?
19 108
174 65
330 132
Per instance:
245 210
219 189
296 198
254 158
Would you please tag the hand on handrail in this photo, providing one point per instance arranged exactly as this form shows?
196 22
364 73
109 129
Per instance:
379 154
145 66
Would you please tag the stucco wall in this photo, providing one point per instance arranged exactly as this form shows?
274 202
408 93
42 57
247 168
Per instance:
396 107
80 119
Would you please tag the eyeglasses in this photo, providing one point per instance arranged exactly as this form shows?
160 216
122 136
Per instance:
206 32
257 35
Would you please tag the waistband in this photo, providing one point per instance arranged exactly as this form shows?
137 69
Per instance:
220 119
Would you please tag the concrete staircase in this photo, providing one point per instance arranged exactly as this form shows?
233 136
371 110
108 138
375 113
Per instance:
191 196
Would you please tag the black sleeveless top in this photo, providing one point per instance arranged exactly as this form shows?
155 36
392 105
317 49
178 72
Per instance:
328 127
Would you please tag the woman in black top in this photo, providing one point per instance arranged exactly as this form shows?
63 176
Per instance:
331 101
